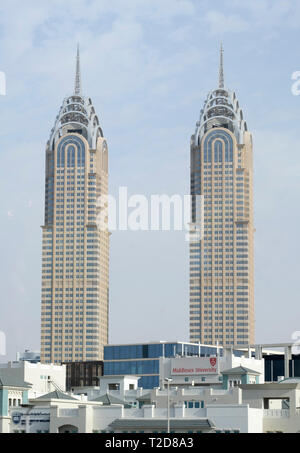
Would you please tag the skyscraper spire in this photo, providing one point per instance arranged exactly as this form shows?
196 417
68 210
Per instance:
221 69
77 90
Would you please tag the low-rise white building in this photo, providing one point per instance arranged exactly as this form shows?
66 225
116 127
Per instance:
43 378
13 393
246 408
119 388
204 395
58 413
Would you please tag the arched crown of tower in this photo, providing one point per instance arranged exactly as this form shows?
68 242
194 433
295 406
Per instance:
221 109
77 115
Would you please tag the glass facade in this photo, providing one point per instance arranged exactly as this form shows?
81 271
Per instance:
135 367
274 367
149 351
143 359
83 374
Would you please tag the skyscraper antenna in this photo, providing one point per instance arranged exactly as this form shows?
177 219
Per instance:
77 90
221 69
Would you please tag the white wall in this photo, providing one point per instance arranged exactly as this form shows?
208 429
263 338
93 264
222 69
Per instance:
123 382
240 418
226 362
37 375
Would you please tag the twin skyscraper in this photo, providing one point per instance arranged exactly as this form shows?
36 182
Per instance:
75 268
75 280
222 263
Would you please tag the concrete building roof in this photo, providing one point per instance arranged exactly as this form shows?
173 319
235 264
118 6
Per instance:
8 380
159 423
292 380
241 370
108 400
56 395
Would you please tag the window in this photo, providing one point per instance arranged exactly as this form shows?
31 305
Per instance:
113 386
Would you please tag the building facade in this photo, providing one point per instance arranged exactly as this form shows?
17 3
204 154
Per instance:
221 261
42 378
74 324
222 394
13 393
209 371
244 408
275 367
83 374
142 359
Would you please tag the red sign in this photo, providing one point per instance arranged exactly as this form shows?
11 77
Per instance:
213 361
193 366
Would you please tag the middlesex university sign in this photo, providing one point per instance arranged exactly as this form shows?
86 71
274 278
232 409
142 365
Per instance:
194 366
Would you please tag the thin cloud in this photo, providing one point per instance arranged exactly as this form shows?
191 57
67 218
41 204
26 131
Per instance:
220 23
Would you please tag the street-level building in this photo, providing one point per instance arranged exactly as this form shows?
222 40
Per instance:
239 406
56 413
13 393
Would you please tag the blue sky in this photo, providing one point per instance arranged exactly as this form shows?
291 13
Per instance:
148 67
